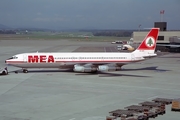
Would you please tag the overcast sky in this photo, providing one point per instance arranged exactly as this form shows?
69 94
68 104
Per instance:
88 14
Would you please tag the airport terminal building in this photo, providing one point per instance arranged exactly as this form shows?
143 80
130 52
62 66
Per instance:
164 35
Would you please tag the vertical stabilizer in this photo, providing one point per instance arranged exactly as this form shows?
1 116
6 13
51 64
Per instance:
148 45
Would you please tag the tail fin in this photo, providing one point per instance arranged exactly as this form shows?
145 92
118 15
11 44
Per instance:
148 45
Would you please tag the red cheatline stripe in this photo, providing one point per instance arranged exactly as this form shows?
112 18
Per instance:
14 61
100 61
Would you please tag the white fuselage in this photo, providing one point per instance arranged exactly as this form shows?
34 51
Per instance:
63 60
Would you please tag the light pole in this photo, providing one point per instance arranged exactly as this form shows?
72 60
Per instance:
139 27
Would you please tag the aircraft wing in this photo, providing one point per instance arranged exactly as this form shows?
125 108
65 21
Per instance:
169 45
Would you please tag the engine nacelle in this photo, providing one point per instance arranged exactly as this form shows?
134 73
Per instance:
84 69
108 68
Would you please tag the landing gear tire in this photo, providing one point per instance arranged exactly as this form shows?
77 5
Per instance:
4 73
25 71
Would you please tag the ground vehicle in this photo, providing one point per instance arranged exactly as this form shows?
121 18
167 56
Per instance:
119 47
3 71
117 42
175 105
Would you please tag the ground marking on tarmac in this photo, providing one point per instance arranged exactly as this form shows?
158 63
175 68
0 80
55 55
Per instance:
152 97
72 119
130 86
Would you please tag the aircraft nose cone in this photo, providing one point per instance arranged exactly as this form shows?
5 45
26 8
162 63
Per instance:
6 61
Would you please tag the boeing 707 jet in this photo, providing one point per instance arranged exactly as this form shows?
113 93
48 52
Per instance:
87 62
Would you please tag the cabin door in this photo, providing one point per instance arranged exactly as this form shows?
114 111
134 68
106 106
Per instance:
132 57
25 58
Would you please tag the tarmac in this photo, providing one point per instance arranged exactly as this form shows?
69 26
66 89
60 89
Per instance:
52 94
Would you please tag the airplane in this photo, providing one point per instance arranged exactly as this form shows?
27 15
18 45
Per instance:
174 43
125 47
87 62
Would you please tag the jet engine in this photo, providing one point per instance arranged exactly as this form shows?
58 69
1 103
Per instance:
84 69
108 68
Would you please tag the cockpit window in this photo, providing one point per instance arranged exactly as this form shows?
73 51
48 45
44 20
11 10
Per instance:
10 58
14 57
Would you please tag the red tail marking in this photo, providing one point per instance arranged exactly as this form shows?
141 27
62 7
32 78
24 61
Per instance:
149 43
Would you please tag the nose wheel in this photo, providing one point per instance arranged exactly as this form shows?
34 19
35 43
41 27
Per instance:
25 71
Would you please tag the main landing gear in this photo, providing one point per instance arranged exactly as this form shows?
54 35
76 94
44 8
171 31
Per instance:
25 71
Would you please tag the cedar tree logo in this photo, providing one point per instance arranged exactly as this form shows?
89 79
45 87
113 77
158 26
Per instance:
150 42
